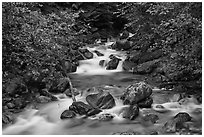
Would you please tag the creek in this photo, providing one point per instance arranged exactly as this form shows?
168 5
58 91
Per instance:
46 118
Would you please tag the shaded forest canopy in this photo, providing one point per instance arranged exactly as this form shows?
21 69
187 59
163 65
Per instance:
41 41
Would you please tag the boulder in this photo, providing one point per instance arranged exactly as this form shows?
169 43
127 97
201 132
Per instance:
136 92
146 103
146 68
160 109
67 114
86 53
43 99
130 112
176 123
98 53
80 108
113 63
151 117
122 44
69 94
83 109
105 117
93 111
44 92
103 100
102 63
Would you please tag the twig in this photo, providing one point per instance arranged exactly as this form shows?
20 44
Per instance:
71 89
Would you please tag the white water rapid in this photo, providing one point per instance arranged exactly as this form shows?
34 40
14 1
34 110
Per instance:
92 67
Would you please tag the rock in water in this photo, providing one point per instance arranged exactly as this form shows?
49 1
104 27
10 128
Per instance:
102 63
151 117
80 108
105 117
86 53
67 114
43 99
176 123
136 92
146 103
83 109
113 63
69 93
98 53
93 112
130 112
103 100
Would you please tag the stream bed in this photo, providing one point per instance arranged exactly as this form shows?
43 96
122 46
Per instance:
46 118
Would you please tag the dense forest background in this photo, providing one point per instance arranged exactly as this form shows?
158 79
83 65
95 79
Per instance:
41 44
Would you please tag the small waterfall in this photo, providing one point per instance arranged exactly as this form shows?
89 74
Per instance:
92 67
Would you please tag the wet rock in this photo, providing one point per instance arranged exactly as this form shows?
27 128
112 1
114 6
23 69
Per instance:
86 53
146 103
151 117
160 109
43 99
68 92
130 112
136 92
80 108
103 100
122 44
127 133
93 112
67 114
105 117
146 68
177 122
113 63
102 63
98 53
44 92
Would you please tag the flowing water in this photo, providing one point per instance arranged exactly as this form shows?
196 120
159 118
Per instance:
46 119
